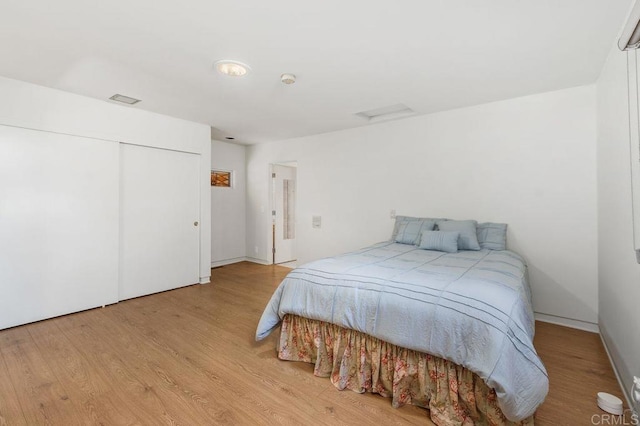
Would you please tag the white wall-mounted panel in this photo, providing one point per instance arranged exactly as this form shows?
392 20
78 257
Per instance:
58 224
159 220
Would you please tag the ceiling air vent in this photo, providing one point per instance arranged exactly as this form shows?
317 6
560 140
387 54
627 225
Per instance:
386 113
124 99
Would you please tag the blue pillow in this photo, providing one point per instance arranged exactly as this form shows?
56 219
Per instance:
492 236
409 232
440 240
400 220
468 239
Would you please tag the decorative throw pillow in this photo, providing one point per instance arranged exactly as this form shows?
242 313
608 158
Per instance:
446 241
405 219
468 239
409 232
492 236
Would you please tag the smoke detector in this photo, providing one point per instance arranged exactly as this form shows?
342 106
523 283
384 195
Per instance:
288 78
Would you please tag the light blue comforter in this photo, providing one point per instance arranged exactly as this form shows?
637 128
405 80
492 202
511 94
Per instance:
471 307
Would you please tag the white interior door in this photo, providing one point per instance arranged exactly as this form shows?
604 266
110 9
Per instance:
159 220
58 224
284 206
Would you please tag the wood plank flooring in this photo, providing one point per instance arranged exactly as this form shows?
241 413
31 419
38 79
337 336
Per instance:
188 357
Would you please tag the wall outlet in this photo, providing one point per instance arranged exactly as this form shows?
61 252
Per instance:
392 215
255 249
316 221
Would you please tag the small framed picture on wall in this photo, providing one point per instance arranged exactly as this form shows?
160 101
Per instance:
221 178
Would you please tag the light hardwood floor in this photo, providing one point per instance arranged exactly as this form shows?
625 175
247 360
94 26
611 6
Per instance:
188 357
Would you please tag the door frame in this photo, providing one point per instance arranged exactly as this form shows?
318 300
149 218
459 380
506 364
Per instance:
271 220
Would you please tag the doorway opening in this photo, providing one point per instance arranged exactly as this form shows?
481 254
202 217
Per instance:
283 184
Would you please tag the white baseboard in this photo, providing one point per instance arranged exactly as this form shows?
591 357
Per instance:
205 280
625 391
568 322
218 263
260 261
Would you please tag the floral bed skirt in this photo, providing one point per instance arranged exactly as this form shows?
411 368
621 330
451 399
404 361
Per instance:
357 361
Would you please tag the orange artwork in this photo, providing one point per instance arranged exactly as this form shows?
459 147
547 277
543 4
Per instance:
220 178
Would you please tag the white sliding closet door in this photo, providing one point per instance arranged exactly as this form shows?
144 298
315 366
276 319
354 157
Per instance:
159 220
58 224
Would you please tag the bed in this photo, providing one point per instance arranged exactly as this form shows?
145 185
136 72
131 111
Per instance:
447 328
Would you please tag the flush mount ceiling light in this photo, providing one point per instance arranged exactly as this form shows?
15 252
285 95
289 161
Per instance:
124 99
232 68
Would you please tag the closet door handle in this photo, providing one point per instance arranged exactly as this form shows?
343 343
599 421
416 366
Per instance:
195 223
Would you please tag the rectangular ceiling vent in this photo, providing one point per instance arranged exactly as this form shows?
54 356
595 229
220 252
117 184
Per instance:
386 113
124 99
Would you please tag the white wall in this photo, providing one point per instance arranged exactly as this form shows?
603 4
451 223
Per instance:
529 162
37 107
228 205
618 271
52 112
